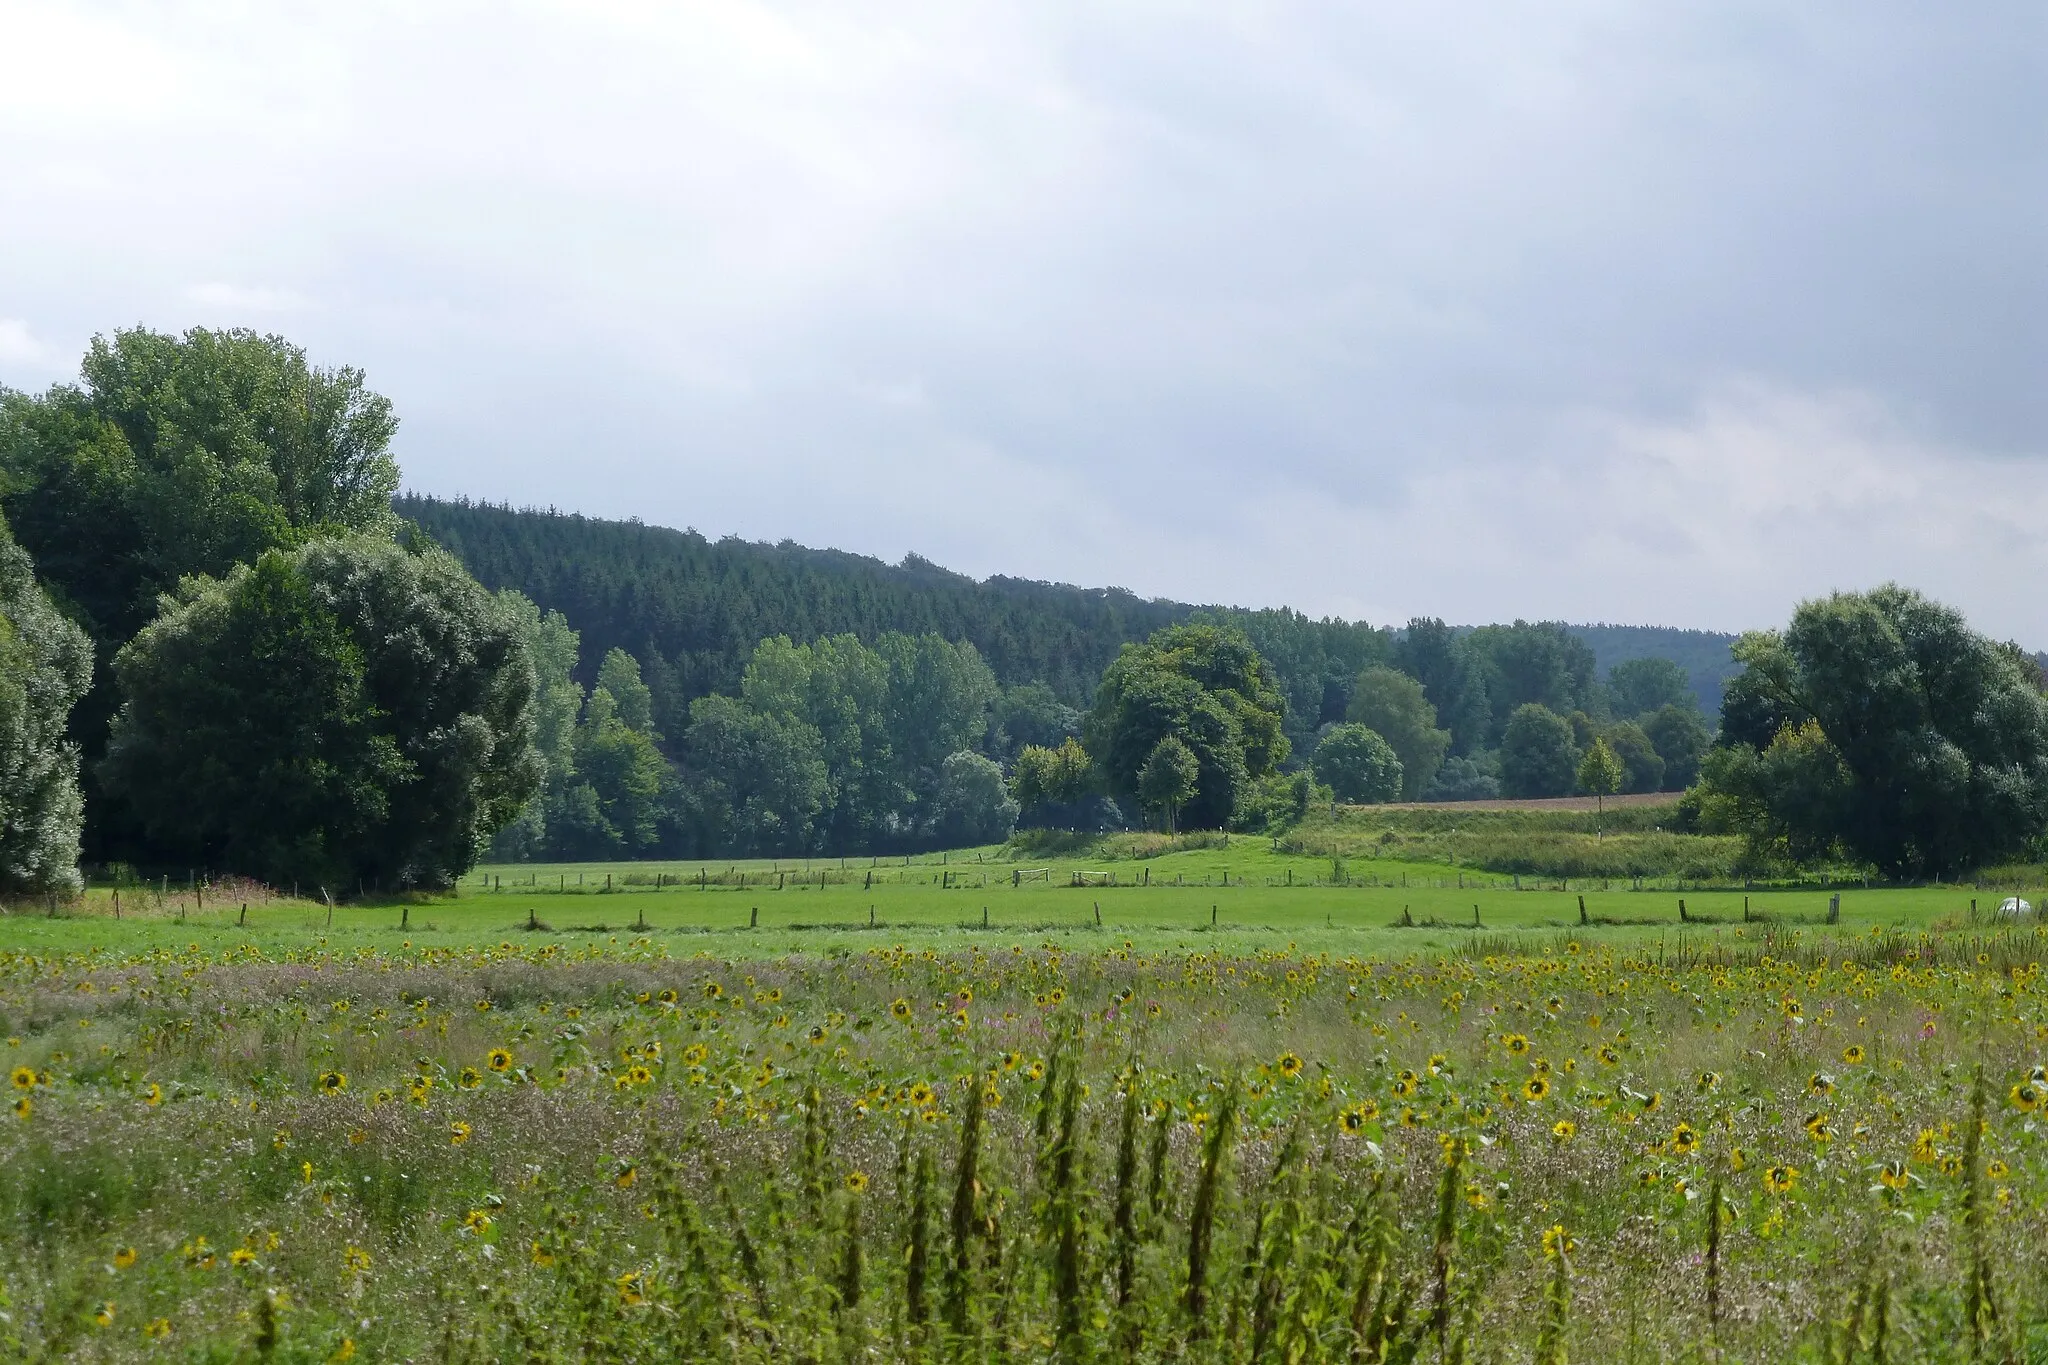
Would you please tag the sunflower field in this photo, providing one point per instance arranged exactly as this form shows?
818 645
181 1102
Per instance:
1793 1146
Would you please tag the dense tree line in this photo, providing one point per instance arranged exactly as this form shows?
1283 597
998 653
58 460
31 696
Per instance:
222 645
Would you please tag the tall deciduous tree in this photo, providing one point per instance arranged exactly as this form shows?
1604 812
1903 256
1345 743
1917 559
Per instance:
1537 755
45 667
1599 773
1167 780
1393 706
1357 764
1207 688
346 711
1904 739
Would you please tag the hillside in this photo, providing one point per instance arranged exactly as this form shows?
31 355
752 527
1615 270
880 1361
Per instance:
692 608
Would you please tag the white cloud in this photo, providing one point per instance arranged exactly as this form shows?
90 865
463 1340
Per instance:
235 299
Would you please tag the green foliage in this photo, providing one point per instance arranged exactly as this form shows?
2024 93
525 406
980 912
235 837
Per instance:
1169 778
1641 767
1031 715
1904 739
757 779
1542 664
1358 765
1681 739
619 675
1600 772
878 725
344 712
1207 688
45 667
1053 786
974 802
1394 706
1453 681
1537 753
1637 687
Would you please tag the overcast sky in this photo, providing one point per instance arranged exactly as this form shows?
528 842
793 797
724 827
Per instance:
1660 312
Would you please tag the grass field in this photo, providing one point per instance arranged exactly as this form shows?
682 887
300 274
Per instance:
1237 1120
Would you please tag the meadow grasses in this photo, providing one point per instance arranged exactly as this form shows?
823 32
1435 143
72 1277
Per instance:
1775 1149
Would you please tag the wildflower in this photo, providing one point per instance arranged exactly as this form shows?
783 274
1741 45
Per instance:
712 990
1405 1084
817 1034
1685 1139
354 1260
626 1175
305 1172
333 1082
1289 1065
240 1257
1924 1149
1536 1088
24 1107
23 1078
458 1133
1708 1081
1557 1242
632 1289
1515 1043
1564 1130
540 1255
476 1222
1853 1054
345 1351
1997 1170
157 1329
1781 1179
1893 1175
856 1181
1951 1164
1818 1128
1820 1083
638 1075
1354 1119
1738 1160
152 1094
105 1316
469 1078
2026 1097
694 1054
1608 1056
124 1257
900 1008
498 1059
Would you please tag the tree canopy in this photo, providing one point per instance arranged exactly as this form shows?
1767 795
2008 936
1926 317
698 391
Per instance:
346 711
1395 707
1537 754
1207 688
1878 725
1357 764
45 667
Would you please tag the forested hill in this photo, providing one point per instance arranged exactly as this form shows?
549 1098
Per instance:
699 606
692 609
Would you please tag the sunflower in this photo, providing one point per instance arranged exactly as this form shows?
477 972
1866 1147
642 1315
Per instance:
1997 1170
921 1095
1515 1043
638 1075
23 1107
105 1317
1608 1056
1853 1054
1564 1130
1780 1179
1352 1120
1685 1139
152 1094
1289 1065
540 1255
355 1260
1820 1083
712 990
1894 1175
333 1082
1819 1129
458 1133
631 1289
1924 1149
2026 1096
817 1033
240 1257
1536 1088
856 1181
900 1008
1708 1081
469 1078
1405 1083
23 1078
626 1175
124 1257
498 1059
1557 1242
